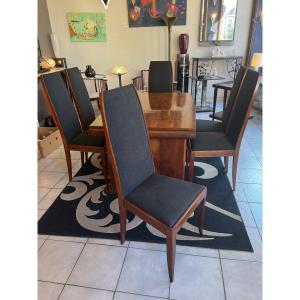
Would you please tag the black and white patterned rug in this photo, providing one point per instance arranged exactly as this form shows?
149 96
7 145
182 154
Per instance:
83 209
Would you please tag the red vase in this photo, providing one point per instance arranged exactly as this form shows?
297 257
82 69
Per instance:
183 43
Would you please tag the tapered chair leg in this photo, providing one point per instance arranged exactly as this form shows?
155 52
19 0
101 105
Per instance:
226 163
234 170
104 165
123 217
82 158
86 155
191 168
69 163
202 216
171 252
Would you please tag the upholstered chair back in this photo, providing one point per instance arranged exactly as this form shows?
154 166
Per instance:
128 136
160 77
242 104
61 102
81 97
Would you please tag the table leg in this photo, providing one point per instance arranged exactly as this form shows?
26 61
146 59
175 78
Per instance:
215 102
225 99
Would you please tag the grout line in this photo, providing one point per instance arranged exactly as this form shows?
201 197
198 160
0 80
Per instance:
120 272
154 297
222 275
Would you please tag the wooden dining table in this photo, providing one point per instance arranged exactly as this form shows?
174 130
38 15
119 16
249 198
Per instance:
171 120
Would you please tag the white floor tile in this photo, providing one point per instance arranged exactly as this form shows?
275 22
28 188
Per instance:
147 246
42 192
242 279
246 214
67 238
260 232
40 243
145 272
256 243
57 259
99 266
59 165
46 202
197 251
41 213
81 293
256 209
62 182
48 179
197 278
253 192
43 163
107 242
49 291
125 296
249 175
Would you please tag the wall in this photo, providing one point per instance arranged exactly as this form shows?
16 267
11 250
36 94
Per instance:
135 47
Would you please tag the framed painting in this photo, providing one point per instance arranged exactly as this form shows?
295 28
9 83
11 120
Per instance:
143 13
86 27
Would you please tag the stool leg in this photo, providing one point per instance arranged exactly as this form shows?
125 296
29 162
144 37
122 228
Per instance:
215 102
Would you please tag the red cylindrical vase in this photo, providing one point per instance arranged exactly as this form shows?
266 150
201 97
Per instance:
183 43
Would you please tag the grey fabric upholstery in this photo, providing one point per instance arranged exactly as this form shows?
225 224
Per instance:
164 198
241 105
160 77
206 141
233 94
81 96
63 105
128 134
209 126
85 139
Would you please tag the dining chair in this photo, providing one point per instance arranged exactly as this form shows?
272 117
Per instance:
163 202
65 117
215 126
138 83
160 77
217 144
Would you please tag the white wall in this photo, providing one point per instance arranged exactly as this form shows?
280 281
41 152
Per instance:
135 47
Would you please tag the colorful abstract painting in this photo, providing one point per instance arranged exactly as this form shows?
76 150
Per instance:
86 27
142 13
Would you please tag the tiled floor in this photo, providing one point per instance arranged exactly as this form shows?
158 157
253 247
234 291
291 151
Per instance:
79 268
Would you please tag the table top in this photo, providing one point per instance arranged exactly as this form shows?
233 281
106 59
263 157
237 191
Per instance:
167 114
217 57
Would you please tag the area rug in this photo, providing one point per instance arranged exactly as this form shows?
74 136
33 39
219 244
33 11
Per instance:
83 209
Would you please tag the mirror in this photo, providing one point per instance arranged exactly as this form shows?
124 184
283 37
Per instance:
217 22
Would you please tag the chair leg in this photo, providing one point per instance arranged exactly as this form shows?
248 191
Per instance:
82 158
226 163
86 155
69 163
214 102
104 165
191 168
171 251
234 170
202 215
123 217
98 102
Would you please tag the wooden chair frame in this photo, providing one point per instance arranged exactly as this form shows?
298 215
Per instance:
124 205
226 153
68 147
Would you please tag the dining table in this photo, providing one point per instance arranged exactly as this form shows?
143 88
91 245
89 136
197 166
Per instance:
171 120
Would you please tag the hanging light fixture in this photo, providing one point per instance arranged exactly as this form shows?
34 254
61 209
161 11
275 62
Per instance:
105 3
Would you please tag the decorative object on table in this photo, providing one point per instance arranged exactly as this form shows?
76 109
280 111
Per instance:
119 70
47 63
75 214
89 71
86 27
183 43
60 62
216 52
183 63
256 62
150 12
105 3
55 44
217 22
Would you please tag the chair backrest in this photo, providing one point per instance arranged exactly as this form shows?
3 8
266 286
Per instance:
138 83
61 106
160 77
127 139
242 107
233 94
80 96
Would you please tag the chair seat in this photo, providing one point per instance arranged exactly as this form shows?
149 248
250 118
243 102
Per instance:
85 139
209 126
206 141
164 198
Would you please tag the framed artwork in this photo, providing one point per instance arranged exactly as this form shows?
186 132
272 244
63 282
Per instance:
143 13
86 27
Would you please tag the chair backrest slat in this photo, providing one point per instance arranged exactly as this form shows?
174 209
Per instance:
81 97
127 137
160 77
61 105
242 106
233 94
